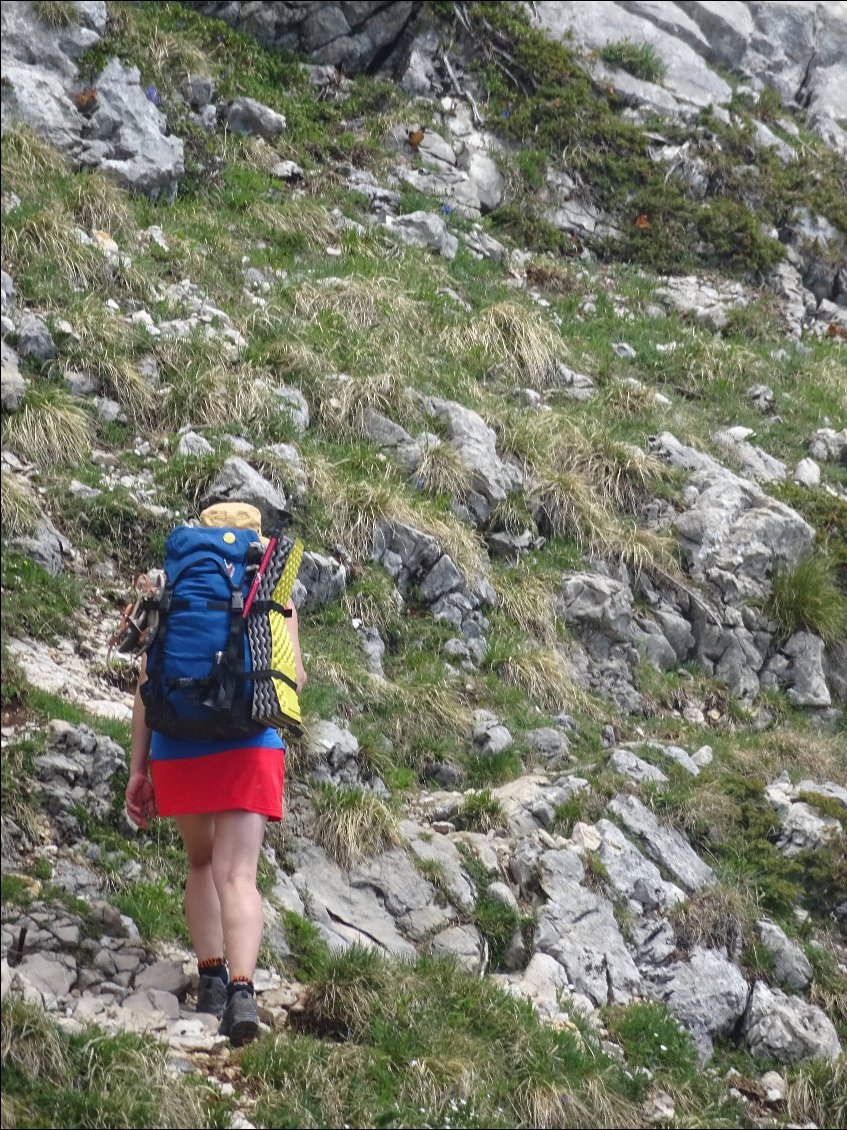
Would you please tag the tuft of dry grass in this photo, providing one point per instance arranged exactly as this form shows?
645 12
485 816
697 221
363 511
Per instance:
355 507
342 402
567 505
202 387
365 303
817 1093
105 349
49 427
99 204
55 13
528 600
303 219
714 917
27 158
515 340
352 823
545 675
30 1043
816 755
442 471
19 510
47 234
377 603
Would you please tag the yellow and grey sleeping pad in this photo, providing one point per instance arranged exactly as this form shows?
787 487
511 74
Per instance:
275 699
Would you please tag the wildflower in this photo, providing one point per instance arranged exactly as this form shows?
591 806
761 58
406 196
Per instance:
154 96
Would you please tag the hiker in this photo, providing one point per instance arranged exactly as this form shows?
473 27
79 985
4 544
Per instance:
221 794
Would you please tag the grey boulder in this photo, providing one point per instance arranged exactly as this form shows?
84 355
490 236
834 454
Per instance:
247 116
707 994
787 1029
127 136
237 481
423 229
667 847
790 963
34 339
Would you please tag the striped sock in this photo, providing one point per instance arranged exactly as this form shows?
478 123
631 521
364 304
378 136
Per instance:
240 982
213 967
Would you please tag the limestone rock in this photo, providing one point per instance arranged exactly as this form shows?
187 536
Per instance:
352 34
321 580
237 481
829 446
126 136
295 404
345 914
578 929
464 944
790 963
630 875
787 1029
475 444
665 845
34 339
423 229
707 994
531 801
807 473
12 383
191 443
404 892
247 116
599 603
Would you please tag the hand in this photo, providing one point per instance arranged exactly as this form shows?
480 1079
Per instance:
140 801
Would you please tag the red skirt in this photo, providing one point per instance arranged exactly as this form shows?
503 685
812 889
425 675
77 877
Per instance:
194 776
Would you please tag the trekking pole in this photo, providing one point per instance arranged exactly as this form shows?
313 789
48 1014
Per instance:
284 517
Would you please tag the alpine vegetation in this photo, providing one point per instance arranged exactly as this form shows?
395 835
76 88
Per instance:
448 404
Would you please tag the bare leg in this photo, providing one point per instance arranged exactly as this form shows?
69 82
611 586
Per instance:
235 858
202 905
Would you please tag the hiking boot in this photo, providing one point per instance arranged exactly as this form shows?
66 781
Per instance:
211 995
240 1020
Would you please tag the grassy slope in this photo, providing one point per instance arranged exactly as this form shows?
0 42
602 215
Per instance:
389 318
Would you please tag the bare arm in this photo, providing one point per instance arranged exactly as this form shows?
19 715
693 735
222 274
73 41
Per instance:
140 804
293 631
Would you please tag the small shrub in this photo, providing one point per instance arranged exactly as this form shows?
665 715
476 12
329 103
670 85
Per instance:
481 812
352 824
639 59
807 598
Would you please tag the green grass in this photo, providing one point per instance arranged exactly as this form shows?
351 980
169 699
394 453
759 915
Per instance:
481 812
35 603
640 59
390 1068
94 1079
807 598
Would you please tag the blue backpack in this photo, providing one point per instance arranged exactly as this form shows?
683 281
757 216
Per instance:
198 666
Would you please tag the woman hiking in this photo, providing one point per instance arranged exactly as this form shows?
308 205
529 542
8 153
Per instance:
221 794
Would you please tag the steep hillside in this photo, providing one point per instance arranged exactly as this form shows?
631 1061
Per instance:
534 316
